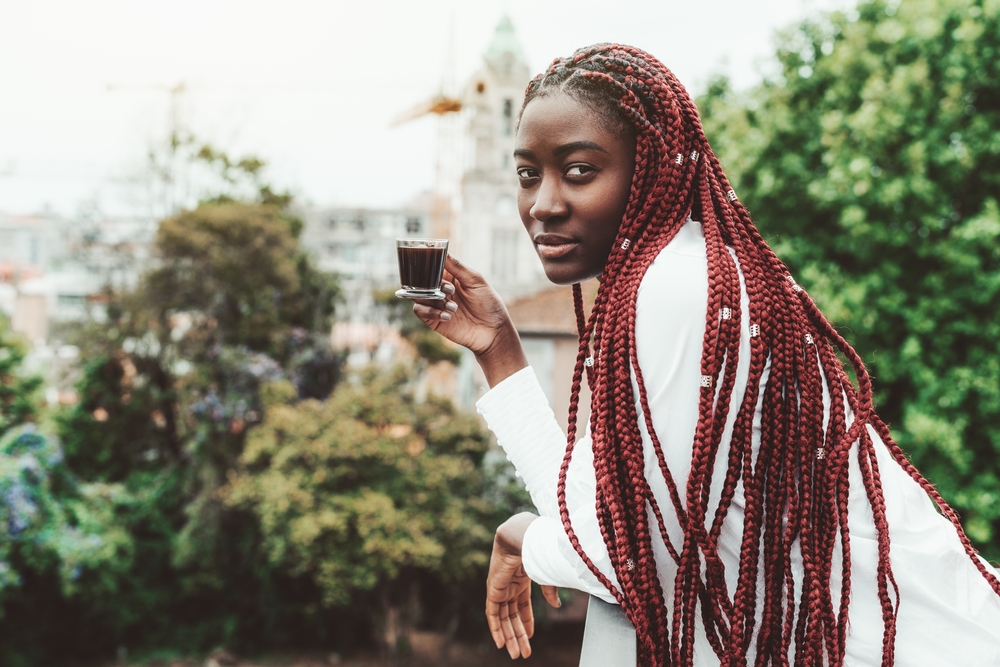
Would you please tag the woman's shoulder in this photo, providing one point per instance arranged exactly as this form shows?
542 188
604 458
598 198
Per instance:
689 241
679 271
671 302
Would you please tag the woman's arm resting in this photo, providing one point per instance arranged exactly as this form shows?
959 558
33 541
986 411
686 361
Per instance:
508 589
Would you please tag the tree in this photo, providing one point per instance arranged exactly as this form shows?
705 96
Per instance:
368 494
182 171
237 270
232 299
429 345
229 304
60 540
872 163
17 391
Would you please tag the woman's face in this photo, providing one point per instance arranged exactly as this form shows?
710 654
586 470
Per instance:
575 176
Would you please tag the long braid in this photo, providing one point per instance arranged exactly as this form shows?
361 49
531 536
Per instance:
795 486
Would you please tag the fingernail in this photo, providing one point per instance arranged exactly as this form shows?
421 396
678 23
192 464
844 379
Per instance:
445 315
452 306
448 288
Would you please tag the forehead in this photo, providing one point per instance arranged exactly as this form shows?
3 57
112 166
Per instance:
558 119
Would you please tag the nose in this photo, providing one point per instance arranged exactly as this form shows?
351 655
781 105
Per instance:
549 200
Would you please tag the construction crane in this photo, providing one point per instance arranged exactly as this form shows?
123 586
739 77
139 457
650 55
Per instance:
446 106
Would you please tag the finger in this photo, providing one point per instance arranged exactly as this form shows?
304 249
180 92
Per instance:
525 612
521 644
551 595
447 287
430 312
507 616
493 621
497 583
436 304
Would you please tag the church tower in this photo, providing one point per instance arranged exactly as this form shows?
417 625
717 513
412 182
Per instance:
491 237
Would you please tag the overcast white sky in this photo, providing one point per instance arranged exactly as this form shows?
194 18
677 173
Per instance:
309 85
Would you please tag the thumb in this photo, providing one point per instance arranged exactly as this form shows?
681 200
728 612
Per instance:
551 595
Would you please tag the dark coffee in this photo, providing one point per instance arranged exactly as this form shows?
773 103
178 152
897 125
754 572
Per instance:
421 268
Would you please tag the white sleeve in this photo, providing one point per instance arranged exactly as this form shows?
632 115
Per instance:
518 413
670 322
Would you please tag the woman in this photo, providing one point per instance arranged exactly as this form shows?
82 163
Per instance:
735 498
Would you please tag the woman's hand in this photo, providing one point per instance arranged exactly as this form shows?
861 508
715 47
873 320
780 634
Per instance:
475 317
508 589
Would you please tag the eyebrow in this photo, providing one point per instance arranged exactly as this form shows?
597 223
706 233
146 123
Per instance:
560 151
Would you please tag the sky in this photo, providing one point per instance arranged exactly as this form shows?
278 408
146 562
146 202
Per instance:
310 86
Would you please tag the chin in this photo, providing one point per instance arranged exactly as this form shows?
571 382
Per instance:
566 275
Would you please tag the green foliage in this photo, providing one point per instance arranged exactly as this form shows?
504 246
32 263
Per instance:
17 392
128 406
238 270
368 488
241 175
174 379
183 171
429 345
50 522
872 164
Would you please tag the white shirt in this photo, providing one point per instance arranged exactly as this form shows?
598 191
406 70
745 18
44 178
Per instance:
948 614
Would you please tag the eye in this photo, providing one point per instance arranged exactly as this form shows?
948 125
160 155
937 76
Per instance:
527 173
579 170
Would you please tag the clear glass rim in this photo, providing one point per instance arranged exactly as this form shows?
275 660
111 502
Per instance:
408 242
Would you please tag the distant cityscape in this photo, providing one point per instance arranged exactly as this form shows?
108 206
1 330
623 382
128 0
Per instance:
55 269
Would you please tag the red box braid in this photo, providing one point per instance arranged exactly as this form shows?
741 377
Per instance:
797 488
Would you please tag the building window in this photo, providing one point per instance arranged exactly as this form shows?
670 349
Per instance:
71 300
504 254
413 225
508 117
358 223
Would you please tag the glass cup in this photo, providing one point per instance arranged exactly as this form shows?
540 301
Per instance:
421 265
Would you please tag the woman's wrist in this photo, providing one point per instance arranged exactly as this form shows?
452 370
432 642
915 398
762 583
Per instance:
503 358
510 535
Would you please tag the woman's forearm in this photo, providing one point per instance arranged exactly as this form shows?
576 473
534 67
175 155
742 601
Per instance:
504 357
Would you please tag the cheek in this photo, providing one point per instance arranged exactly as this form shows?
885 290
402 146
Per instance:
616 202
624 191
525 200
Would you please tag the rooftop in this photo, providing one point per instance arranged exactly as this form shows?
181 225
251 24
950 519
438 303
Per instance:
550 311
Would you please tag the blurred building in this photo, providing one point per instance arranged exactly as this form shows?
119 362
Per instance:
114 250
546 322
490 236
359 246
31 244
54 269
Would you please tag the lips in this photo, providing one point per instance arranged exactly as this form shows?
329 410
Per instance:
553 246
